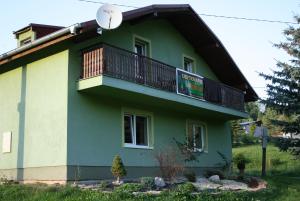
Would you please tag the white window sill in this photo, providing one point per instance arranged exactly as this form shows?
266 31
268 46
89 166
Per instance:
137 146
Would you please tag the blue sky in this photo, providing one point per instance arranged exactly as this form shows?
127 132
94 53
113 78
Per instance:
249 43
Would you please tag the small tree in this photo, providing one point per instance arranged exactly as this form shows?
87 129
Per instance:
117 168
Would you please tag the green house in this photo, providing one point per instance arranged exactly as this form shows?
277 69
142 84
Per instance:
71 98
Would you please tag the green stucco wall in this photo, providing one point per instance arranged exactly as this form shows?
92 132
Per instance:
33 105
95 133
94 119
167 44
10 97
55 125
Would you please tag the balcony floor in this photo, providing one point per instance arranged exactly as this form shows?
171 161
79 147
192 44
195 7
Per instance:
136 93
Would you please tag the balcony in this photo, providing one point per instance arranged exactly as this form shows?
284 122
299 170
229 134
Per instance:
125 65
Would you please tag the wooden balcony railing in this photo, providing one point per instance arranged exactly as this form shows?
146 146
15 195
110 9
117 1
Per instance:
122 64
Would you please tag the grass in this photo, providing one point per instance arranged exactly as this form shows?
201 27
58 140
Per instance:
283 172
277 162
283 179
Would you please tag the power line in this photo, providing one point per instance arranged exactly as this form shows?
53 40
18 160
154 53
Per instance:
249 19
207 15
99 2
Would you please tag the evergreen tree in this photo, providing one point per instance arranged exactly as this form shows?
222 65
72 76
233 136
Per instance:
117 168
284 88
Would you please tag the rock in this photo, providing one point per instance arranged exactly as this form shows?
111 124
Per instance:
116 183
179 180
233 185
153 192
206 186
202 180
214 178
159 182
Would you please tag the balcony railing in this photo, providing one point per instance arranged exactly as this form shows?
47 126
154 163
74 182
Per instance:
122 64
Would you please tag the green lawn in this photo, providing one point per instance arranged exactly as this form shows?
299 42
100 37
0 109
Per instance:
277 162
283 179
283 172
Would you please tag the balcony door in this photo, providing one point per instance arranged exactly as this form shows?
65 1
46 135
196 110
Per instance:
141 49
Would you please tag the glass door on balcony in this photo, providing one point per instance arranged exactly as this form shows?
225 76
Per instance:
140 48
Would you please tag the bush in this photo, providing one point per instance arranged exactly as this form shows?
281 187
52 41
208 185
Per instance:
185 189
117 168
190 176
168 163
275 162
240 160
252 182
248 140
129 188
104 185
148 183
209 173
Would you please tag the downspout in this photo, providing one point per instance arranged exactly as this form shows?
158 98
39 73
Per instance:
71 29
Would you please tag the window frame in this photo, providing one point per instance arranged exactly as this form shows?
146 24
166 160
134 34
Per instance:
135 113
204 135
143 41
25 41
193 61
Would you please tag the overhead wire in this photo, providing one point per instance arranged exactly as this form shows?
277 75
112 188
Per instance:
207 15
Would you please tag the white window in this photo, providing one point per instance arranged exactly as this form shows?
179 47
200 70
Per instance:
188 64
6 142
136 130
196 136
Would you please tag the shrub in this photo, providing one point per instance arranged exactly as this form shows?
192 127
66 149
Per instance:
275 162
118 169
168 163
240 160
253 182
148 183
129 188
104 185
190 176
248 139
185 189
209 173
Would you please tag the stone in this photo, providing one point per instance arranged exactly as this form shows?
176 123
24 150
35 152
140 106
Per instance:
233 185
203 183
214 178
206 186
116 183
202 180
159 182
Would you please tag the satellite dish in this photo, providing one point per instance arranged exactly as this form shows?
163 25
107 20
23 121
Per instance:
109 17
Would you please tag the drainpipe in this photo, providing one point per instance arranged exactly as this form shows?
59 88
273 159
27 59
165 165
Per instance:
71 29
